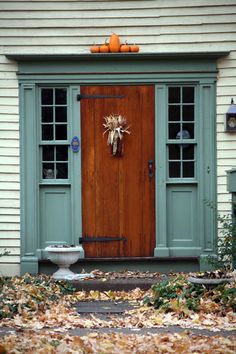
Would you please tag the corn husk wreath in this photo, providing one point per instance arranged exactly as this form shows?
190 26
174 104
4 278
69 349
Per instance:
116 126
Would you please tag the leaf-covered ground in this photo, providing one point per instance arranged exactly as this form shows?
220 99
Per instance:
33 305
50 343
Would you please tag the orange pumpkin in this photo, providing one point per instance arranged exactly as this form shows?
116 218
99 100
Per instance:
94 49
134 48
124 47
104 48
114 43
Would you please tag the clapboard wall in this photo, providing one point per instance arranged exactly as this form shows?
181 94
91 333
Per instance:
59 26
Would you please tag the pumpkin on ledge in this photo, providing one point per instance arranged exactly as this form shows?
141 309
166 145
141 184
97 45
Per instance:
114 46
114 43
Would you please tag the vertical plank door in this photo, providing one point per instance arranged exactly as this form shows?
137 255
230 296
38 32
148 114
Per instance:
118 195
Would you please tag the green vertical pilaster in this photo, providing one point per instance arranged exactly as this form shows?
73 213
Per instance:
161 249
29 180
207 189
76 180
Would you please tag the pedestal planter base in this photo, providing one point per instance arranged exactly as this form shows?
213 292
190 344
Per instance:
209 283
64 257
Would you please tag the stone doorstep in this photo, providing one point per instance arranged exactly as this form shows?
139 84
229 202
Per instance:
123 284
103 307
139 331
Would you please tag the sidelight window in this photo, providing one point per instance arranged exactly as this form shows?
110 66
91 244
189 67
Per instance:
54 133
181 132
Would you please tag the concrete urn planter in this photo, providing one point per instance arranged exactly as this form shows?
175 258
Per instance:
210 282
64 257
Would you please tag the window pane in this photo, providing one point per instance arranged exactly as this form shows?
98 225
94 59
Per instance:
174 152
188 94
174 95
48 153
62 170
188 169
47 114
183 134
188 113
61 96
188 127
48 171
61 114
61 132
188 153
174 113
47 96
47 132
173 130
174 169
61 153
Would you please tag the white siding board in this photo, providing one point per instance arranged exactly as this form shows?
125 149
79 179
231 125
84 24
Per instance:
8 134
10 118
101 13
9 102
121 4
10 194
141 39
11 258
123 30
9 152
9 185
225 161
9 219
8 83
9 143
9 67
10 235
10 269
10 243
9 211
117 21
9 92
9 226
9 168
8 75
13 236
6 203
227 145
225 91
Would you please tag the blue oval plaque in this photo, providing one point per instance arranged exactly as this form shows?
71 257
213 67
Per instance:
75 144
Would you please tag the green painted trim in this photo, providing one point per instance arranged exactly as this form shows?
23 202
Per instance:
148 66
161 249
76 179
29 265
186 71
207 189
28 170
110 79
118 56
205 180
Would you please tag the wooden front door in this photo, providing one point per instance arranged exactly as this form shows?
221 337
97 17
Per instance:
118 192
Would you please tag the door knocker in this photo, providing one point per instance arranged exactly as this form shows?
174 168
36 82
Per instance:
116 126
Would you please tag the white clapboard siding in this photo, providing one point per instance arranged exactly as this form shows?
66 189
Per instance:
9 211
71 26
9 167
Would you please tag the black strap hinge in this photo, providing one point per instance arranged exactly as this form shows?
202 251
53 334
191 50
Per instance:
100 239
80 97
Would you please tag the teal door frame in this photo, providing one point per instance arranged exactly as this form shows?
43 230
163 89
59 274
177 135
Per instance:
197 69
